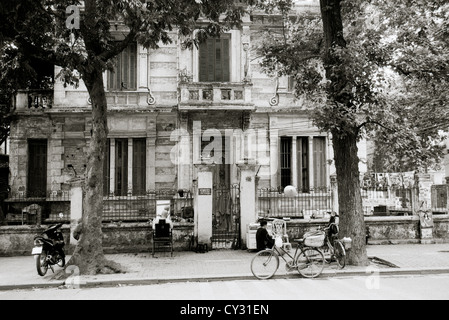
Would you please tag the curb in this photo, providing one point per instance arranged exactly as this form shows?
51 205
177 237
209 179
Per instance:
151 281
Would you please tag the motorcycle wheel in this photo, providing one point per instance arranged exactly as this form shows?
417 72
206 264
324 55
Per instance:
61 262
41 263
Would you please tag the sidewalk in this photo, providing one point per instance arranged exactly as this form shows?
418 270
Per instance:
20 272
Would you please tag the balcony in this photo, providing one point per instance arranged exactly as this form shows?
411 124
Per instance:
130 98
34 100
215 96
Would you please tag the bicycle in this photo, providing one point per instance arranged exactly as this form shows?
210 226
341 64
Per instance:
308 261
336 250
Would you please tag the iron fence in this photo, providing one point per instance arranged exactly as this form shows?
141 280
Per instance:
313 202
439 198
25 208
131 208
394 200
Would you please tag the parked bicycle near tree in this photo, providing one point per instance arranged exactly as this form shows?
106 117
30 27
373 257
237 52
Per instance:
334 247
308 260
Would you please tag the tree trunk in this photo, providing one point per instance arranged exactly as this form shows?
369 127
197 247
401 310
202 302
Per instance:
88 255
352 222
344 133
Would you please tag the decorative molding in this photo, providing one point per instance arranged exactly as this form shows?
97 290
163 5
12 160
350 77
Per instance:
151 99
274 101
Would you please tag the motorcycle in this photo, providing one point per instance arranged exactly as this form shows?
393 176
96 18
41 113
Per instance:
49 249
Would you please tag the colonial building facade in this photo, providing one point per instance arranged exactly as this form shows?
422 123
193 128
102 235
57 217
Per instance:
179 119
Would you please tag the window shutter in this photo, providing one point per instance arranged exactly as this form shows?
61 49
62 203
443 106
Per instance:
121 167
319 157
203 62
303 163
215 60
125 70
210 60
139 166
226 60
133 68
218 60
37 168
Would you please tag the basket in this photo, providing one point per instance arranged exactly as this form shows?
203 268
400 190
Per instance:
314 240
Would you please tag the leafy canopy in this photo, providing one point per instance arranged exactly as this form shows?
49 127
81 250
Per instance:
391 82
38 28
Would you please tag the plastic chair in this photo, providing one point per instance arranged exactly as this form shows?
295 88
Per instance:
279 228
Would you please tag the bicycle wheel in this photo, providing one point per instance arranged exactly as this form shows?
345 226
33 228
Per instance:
310 262
265 264
340 254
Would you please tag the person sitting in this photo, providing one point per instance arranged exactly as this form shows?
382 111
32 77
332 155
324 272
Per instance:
263 239
164 215
333 226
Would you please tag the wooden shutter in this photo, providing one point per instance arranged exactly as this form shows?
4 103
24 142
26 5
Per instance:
211 60
319 159
121 167
215 60
302 146
139 166
226 60
37 168
124 76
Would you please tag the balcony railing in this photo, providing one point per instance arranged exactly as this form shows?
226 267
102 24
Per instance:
130 98
219 95
34 99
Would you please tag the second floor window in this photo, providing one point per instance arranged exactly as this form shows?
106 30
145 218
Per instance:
215 59
124 76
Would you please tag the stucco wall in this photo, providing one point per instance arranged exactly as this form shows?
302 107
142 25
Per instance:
133 237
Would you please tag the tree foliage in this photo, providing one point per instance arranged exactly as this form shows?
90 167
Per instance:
48 31
371 69
395 62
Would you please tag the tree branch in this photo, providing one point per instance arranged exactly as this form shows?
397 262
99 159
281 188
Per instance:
376 123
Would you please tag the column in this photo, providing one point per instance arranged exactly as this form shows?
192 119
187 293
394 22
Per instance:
424 184
294 162
130 166
424 207
76 206
311 165
183 157
151 153
274 157
112 168
334 190
142 71
204 203
248 196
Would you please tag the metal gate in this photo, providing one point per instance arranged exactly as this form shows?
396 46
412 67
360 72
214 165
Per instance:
226 217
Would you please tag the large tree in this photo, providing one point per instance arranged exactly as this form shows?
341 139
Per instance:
82 44
361 65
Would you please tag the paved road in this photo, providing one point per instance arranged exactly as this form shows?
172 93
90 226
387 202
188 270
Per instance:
374 287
